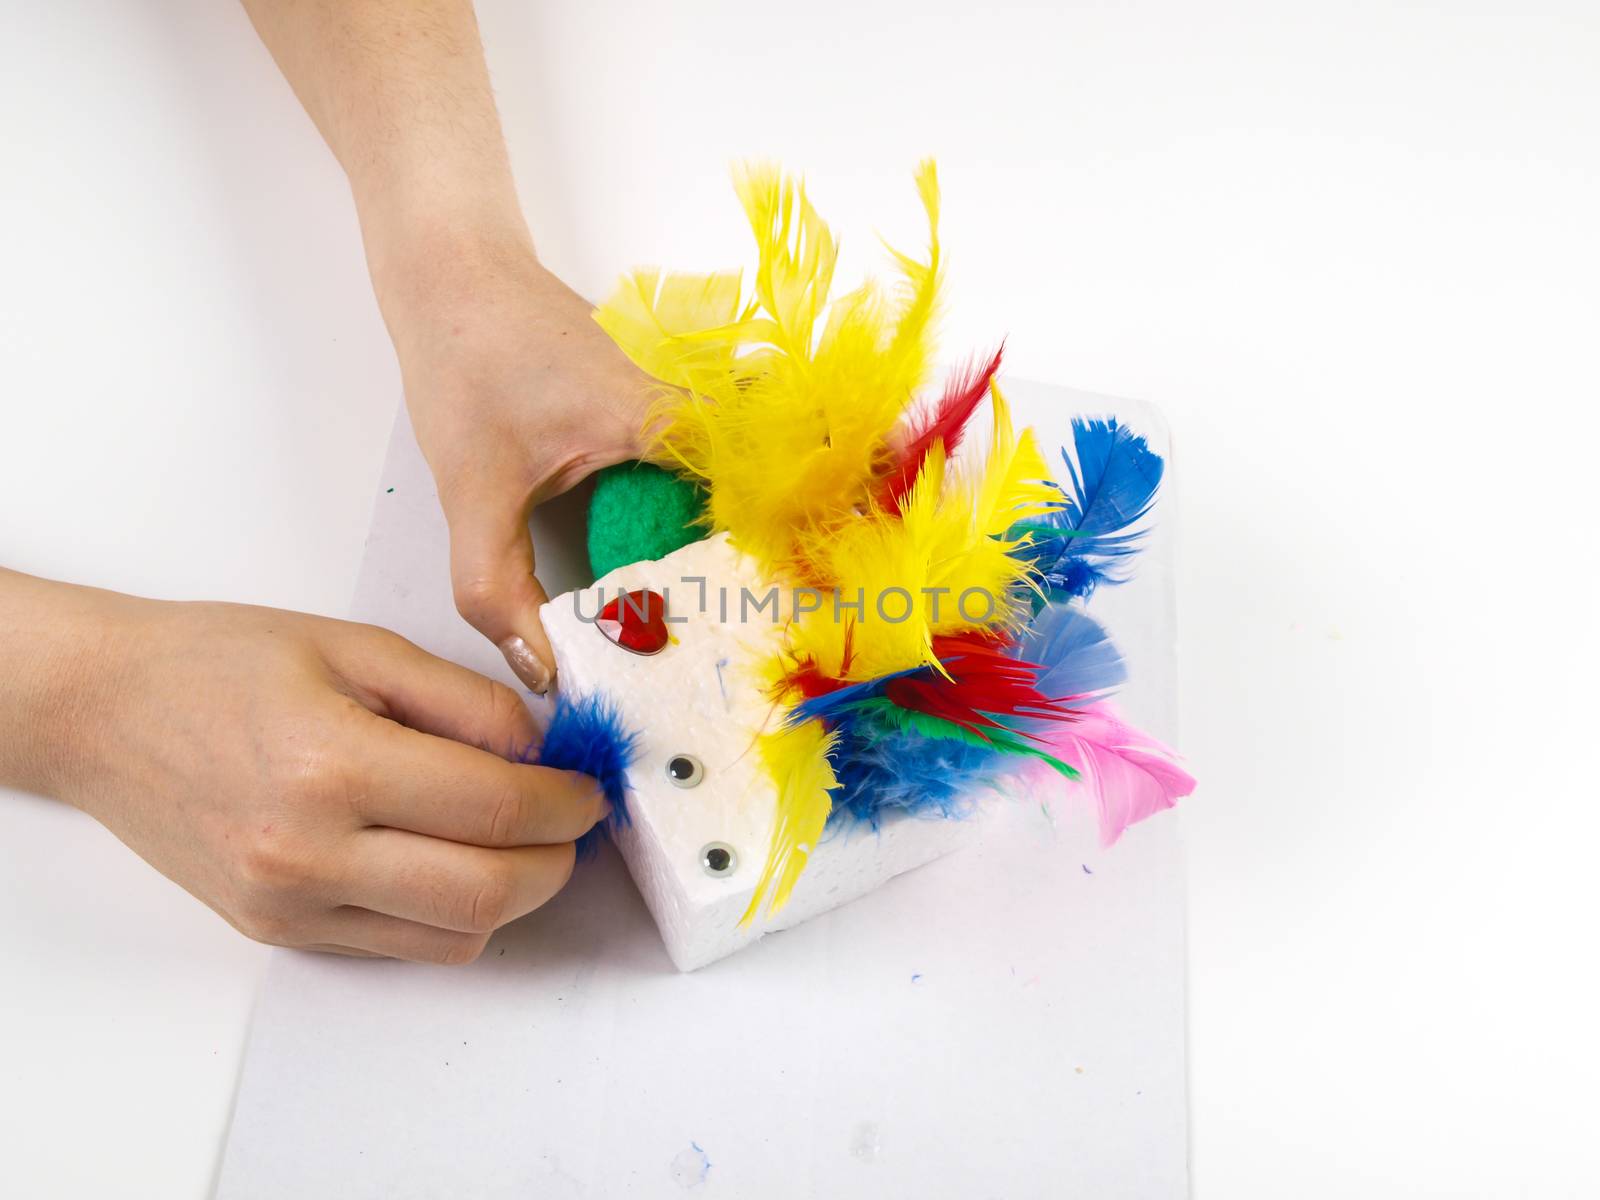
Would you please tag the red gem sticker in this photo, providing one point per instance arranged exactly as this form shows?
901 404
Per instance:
636 621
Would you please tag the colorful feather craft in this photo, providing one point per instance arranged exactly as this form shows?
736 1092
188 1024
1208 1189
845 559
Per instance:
947 656
1082 542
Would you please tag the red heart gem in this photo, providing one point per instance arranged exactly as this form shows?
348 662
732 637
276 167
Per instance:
636 621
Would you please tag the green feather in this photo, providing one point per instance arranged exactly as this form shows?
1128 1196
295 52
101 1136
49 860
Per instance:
890 717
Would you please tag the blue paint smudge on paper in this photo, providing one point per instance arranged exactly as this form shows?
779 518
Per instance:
689 1167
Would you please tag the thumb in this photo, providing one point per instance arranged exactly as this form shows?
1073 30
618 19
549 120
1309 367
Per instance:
492 574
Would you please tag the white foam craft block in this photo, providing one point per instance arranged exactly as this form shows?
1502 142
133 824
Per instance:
700 696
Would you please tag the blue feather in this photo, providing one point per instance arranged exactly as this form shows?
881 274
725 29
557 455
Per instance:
586 734
1111 487
1075 655
879 774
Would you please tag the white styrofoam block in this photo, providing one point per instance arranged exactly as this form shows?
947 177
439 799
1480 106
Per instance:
700 697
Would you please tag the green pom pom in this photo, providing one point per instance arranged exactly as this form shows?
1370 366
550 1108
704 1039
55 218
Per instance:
638 512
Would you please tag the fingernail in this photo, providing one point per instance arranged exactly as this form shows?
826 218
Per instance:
526 664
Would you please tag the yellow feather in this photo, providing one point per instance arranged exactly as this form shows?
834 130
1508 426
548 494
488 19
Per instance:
941 565
1015 481
789 400
650 315
797 255
908 352
797 760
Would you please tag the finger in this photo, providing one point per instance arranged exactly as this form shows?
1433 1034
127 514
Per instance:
394 937
466 888
347 951
491 570
402 681
434 786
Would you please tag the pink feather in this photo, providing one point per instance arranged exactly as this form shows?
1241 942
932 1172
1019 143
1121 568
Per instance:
1128 773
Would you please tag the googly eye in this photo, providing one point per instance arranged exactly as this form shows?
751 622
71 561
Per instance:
685 770
718 859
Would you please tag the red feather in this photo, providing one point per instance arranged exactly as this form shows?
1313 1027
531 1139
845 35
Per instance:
945 422
984 682
925 695
807 678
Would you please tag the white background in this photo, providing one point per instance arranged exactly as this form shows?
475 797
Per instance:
1350 248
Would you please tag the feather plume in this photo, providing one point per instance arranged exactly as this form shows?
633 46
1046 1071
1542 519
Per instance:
1014 484
944 423
946 563
835 703
1128 774
586 734
884 716
981 696
651 316
798 760
790 400
979 681
1086 537
881 773
1075 657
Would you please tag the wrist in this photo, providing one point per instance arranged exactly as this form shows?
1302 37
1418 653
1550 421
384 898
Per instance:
57 659
431 260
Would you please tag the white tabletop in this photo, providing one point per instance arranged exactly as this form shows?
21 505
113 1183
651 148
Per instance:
1349 250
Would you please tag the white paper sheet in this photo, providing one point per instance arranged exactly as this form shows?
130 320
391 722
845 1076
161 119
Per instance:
1007 1022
